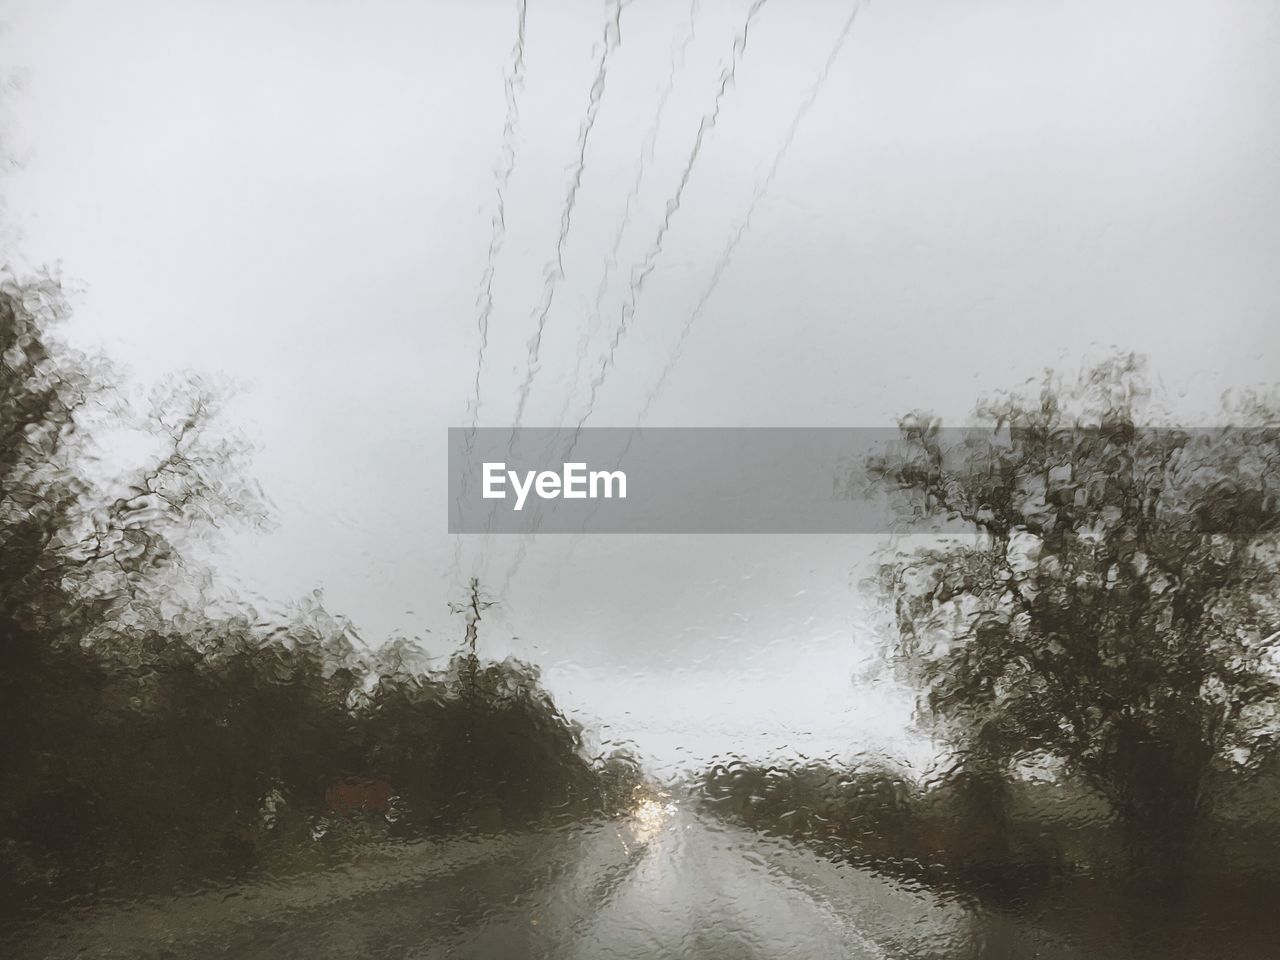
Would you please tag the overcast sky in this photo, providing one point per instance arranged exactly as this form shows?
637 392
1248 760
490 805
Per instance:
300 195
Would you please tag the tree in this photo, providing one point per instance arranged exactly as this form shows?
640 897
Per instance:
92 577
155 732
476 735
1113 602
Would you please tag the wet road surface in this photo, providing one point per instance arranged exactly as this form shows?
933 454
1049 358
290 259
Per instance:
665 884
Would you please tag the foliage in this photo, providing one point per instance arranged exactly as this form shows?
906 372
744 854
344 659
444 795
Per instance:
479 742
1114 603
864 813
154 731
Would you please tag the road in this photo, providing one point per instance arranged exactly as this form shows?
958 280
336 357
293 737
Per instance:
664 884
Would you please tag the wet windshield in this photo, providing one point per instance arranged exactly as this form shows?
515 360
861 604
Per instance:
713 479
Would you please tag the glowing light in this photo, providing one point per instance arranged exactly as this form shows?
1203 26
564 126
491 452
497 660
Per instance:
648 817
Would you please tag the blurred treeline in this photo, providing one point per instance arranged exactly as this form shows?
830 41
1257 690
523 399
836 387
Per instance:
1091 629
1012 842
156 732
